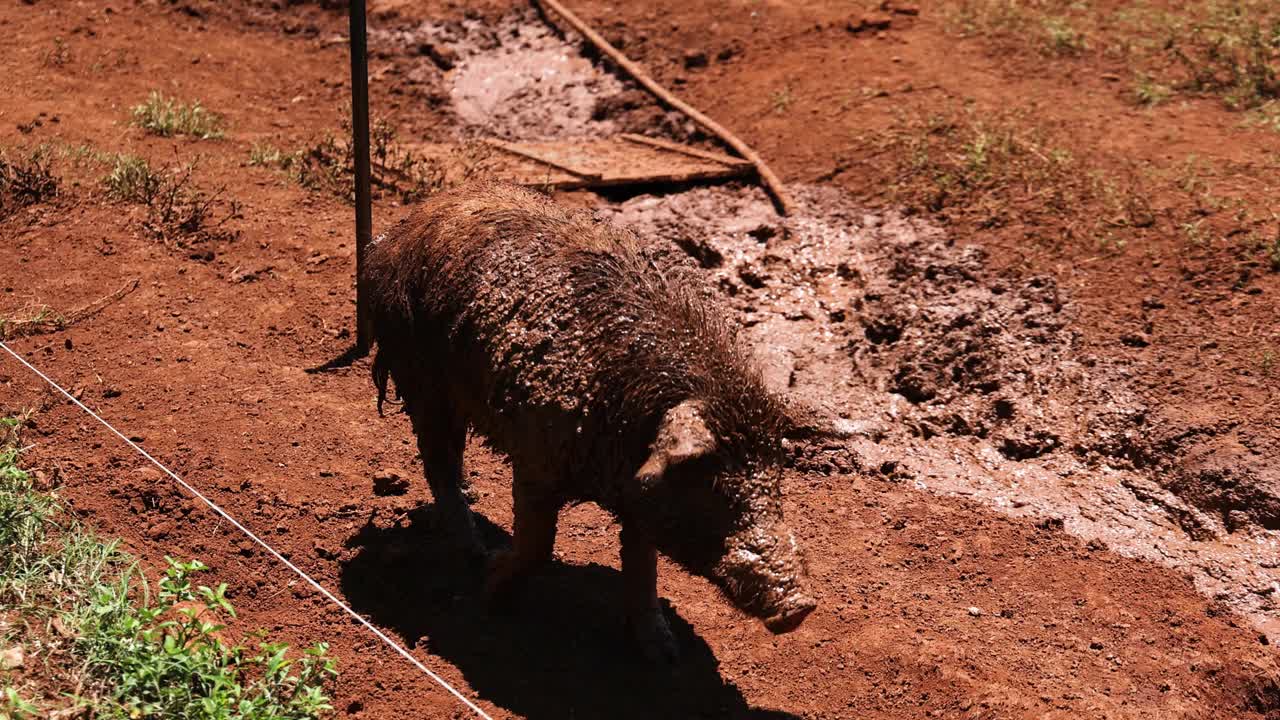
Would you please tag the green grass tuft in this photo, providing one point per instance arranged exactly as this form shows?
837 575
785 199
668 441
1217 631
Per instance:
1148 92
97 636
1225 48
176 210
168 117
130 179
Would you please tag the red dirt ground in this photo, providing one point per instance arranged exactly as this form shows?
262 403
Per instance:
208 372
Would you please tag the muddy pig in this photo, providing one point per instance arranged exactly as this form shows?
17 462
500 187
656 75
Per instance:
559 340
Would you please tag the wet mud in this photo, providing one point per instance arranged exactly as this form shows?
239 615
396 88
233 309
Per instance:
970 382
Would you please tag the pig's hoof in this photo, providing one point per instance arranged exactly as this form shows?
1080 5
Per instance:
652 637
473 549
500 580
463 533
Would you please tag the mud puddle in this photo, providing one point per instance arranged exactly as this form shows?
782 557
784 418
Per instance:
962 381
519 80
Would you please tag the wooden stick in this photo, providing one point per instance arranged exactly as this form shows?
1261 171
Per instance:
55 322
522 152
771 182
684 150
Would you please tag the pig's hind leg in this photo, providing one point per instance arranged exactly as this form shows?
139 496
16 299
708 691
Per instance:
442 438
533 537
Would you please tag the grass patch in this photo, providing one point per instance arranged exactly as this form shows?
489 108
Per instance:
1048 27
1266 116
1148 92
85 632
328 164
167 117
57 55
780 101
177 211
1226 48
985 166
269 156
26 179
1062 37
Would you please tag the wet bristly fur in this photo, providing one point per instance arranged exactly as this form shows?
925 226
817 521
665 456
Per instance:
558 339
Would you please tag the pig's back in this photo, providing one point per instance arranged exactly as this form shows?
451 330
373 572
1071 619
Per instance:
554 334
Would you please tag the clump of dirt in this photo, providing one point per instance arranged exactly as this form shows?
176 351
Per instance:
972 355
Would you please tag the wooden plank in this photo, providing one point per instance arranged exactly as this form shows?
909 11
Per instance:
532 155
591 163
684 149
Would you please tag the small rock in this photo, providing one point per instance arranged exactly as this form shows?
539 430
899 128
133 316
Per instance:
324 551
159 531
444 58
12 658
389 482
975 611
1134 339
694 59
870 21
763 232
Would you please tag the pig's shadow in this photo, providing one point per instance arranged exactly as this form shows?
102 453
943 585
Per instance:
559 652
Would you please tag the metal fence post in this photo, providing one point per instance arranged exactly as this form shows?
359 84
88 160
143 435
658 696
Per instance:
360 131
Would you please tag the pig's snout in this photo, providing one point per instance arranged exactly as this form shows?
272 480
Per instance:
793 612
763 574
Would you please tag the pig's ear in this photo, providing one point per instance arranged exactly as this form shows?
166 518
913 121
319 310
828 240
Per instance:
682 436
805 422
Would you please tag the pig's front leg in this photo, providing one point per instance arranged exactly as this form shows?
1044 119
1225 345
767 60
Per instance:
645 621
533 538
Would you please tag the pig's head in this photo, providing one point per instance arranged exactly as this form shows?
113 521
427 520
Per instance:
720 514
